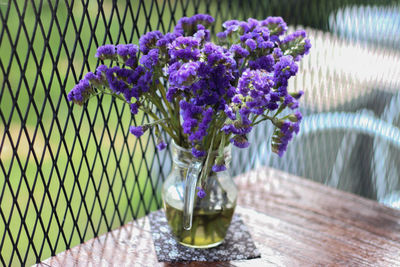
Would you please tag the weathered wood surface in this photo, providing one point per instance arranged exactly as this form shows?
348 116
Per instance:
294 222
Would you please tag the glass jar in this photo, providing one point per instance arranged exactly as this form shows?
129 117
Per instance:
198 222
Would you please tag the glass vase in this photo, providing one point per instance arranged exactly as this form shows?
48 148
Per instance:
198 222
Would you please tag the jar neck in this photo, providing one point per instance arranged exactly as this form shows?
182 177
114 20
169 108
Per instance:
182 157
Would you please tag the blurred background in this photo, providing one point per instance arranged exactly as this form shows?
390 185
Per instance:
68 173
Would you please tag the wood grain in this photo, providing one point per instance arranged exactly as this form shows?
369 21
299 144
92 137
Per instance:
293 221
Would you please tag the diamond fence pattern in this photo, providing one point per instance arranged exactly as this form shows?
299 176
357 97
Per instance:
67 173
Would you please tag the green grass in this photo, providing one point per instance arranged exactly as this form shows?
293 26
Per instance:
32 186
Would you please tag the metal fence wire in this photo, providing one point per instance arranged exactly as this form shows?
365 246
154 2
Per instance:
69 173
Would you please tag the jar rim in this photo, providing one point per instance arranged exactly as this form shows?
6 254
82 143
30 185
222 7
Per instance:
175 145
188 150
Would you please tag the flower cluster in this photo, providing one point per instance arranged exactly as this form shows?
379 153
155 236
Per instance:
206 94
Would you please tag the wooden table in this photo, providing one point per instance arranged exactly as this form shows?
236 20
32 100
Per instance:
293 221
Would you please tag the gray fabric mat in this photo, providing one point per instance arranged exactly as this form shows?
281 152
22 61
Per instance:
238 244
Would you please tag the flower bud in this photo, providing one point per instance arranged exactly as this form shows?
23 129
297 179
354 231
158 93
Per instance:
220 160
297 95
138 131
201 193
276 139
240 141
275 148
292 118
279 123
161 145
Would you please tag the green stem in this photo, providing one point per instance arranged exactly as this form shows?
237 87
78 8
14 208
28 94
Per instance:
120 97
281 108
164 96
255 117
174 123
178 112
219 123
156 122
206 165
156 118
263 119
243 65
212 131
149 112
157 103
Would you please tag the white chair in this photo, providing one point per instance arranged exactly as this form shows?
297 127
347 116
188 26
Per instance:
386 160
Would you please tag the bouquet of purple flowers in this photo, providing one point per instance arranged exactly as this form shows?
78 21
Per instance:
205 94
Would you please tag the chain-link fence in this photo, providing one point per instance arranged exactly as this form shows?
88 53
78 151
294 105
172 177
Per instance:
68 173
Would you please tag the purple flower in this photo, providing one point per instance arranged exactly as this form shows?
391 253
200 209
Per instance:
188 124
240 141
90 76
251 44
94 79
216 55
240 81
230 23
161 145
128 53
183 24
296 126
219 168
229 112
167 39
281 149
252 23
125 50
185 75
272 106
185 48
115 78
263 62
106 51
297 95
202 34
299 34
150 60
81 92
231 27
188 25
284 69
296 44
284 133
171 93
221 35
266 45
276 26
201 193
203 126
136 131
101 68
99 78
277 53
289 100
189 114
198 153
245 27
239 51
140 81
255 89
285 127
134 108
144 82
149 41
236 128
